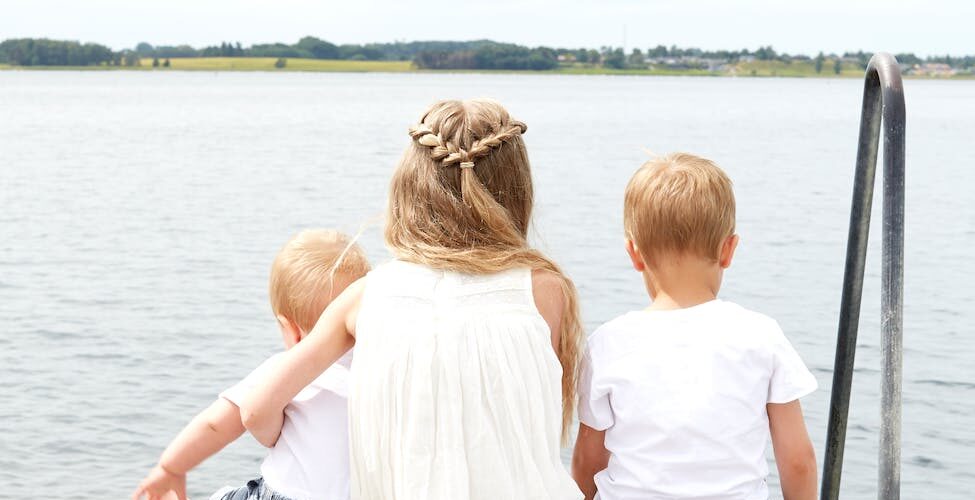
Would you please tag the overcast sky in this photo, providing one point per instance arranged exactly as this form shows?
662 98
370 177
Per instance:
922 26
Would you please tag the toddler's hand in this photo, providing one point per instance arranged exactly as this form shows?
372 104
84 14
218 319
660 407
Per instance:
158 483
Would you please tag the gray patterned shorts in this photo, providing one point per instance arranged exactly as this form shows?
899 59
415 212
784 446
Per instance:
255 490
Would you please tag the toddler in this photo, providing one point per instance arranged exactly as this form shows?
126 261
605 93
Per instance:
308 458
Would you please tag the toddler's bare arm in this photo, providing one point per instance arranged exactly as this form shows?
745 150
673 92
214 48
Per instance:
210 431
794 453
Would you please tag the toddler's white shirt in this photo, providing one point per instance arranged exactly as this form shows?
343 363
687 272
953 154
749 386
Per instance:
310 460
681 395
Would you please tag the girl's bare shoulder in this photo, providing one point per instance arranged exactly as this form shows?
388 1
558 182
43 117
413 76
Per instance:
547 289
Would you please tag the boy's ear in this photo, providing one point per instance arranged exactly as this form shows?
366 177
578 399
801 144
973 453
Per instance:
728 251
638 263
289 331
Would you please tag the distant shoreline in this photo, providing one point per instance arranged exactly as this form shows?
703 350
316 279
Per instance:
756 69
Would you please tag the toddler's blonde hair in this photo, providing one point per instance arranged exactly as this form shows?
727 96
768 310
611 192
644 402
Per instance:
461 199
679 203
304 273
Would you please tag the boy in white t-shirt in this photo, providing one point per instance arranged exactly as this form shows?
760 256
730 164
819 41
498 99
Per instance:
309 458
678 400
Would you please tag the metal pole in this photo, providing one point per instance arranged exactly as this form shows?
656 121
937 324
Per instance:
883 102
892 279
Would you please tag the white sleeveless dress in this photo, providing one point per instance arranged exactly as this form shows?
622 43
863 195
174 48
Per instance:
456 392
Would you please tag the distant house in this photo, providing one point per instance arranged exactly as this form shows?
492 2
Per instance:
664 61
933 69
715 64
687 62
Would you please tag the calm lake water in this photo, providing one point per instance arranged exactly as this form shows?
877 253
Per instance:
141 211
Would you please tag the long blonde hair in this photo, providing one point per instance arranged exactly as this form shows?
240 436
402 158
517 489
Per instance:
461 199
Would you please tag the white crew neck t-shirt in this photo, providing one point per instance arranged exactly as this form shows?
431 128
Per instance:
682 397
310 460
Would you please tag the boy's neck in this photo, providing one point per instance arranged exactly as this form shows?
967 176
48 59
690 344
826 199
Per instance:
681 282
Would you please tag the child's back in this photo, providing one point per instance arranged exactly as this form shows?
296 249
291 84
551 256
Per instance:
679 400
689 392
446 366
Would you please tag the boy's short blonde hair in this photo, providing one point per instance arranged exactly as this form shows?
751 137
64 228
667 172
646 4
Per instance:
306 270
679 203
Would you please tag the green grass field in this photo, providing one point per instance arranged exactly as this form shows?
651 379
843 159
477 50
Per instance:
599 70
795 69
267 64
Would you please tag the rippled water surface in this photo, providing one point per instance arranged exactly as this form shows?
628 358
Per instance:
141 211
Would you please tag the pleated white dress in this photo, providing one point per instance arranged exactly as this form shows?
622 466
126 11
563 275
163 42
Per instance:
456 392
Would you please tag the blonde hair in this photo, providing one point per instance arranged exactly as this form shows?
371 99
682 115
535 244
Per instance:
304 273
679 203
461 199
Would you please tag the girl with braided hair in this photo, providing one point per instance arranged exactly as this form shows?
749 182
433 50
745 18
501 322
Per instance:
464 372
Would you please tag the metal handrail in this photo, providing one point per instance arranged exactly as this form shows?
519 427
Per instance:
883 96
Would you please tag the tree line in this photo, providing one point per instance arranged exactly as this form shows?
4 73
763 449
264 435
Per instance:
477 54
504 56
43 52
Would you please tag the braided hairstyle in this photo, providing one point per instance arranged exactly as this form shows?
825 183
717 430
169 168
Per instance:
461 200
